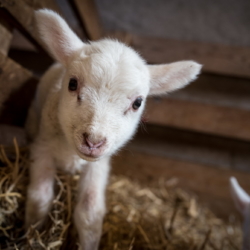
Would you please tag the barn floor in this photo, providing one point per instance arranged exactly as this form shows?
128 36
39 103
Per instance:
144 211
198 163
191 161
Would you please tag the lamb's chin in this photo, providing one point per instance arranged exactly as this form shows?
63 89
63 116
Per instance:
87 157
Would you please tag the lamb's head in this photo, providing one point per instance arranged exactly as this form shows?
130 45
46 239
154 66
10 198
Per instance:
105 86
104 92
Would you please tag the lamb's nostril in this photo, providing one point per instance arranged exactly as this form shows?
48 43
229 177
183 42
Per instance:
99 144
93 144
87 140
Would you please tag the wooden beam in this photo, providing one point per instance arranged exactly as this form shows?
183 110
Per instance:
219 59
12 76
50 4
14 111
121 36
205 118
210 184
21 16
23 13
5 36
90 18
199 148
20 13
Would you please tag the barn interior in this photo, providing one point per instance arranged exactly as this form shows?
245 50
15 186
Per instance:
195 138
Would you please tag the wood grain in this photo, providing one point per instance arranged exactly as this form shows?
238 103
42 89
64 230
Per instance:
50 4
199 148
22 12
219 59
205 118
12 76
89 16
5 37
21 16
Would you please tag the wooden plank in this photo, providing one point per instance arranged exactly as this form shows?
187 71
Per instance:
21 15
27 59
20 42
210 184
24 19
121 36
14 110
219 59
50 4
12 76
60 8
205 118
218 90
5 37
199 148
89 16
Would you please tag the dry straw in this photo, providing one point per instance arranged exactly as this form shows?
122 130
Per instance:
138 217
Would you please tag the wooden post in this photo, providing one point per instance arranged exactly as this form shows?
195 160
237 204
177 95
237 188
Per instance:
5 36
12 76
90 18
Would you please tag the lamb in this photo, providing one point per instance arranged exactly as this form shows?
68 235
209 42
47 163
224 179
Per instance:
87 106
242 202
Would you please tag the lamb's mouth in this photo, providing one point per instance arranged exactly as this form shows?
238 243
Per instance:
88 155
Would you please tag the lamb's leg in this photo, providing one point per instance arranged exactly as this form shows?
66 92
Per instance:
40 191
90 208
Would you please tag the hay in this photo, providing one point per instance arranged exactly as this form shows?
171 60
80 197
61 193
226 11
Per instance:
138 217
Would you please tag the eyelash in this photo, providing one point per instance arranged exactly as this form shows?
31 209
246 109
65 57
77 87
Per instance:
137 103
131 105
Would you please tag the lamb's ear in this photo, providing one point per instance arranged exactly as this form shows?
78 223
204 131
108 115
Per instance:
57 35
241 198
169 77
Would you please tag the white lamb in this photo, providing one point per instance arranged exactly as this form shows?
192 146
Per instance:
87 107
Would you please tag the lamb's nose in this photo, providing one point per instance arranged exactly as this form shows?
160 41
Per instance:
93 144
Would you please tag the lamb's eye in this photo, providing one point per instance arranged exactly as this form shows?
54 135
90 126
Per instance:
137 103
72 84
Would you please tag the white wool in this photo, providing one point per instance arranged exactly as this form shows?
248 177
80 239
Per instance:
82 129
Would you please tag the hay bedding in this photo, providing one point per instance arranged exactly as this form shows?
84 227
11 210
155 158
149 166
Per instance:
138 217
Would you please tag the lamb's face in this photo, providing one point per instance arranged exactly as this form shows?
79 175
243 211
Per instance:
103 97
104 87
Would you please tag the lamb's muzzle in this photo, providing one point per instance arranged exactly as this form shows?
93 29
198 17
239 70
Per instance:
92 146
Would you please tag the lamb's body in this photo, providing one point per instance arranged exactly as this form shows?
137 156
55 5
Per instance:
52 131
50 151
43 117
47 90
85 109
